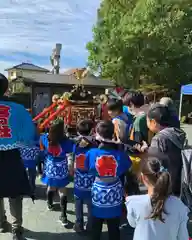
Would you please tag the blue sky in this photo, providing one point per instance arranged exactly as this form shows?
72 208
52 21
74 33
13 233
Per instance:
31 28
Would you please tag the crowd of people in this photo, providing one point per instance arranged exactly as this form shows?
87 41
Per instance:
100 160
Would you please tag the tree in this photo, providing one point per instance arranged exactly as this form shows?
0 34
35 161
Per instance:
143 41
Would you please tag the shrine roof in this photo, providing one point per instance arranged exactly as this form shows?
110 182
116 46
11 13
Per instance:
63 79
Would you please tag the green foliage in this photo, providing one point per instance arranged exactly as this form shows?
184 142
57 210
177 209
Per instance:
143 41
18 87
152 87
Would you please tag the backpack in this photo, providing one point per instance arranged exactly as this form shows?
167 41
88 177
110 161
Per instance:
186 176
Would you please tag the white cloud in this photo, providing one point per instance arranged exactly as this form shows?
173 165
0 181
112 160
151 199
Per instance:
34 26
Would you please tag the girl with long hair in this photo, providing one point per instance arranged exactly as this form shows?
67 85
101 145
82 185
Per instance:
157 214
56 146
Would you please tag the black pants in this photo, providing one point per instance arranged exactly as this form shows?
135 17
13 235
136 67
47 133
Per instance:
14 181
113 228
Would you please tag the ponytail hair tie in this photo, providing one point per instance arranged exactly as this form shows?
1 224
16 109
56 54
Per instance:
162 169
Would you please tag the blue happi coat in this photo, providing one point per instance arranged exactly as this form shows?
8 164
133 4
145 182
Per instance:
16 126
83 180
30 155
107 197
56 173
16 129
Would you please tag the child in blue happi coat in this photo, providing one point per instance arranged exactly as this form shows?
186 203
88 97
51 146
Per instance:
122 122
83 180
56 146
30 154
107 163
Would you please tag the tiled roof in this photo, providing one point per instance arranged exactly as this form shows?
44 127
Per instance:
62 79
28 66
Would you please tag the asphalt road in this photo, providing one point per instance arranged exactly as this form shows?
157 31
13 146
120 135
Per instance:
41 224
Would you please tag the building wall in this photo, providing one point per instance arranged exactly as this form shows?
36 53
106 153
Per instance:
18 86
12 74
